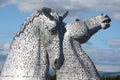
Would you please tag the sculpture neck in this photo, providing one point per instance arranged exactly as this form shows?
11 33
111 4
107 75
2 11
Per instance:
71 46
91 30
72 50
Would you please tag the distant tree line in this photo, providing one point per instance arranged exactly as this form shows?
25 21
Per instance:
110 77
102 78
52 77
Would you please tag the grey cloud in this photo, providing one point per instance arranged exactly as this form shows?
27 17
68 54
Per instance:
105 57
114 43
1 64
76 7
3 53
4 2
4 48
108 68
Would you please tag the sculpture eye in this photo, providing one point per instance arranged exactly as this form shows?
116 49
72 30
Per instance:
77 20
53 31
102 14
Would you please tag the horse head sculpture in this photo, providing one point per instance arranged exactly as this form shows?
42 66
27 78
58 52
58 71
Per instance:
28 57
77 64
83 29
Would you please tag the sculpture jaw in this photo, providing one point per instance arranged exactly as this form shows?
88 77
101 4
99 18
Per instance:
106 22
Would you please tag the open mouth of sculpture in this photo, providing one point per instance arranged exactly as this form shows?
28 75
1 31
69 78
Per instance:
105 23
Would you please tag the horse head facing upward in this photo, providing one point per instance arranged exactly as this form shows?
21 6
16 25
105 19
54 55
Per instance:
83 29
77 64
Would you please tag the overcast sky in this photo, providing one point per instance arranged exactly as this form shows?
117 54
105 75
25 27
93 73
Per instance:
103 48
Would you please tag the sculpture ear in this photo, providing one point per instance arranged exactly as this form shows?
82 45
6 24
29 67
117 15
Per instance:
64 14
47 12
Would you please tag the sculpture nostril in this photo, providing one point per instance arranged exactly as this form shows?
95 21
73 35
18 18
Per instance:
56 61
109 20
57 64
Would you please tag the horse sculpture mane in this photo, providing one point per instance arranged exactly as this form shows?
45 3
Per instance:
44 11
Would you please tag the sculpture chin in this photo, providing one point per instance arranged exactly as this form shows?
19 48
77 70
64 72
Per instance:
105 25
